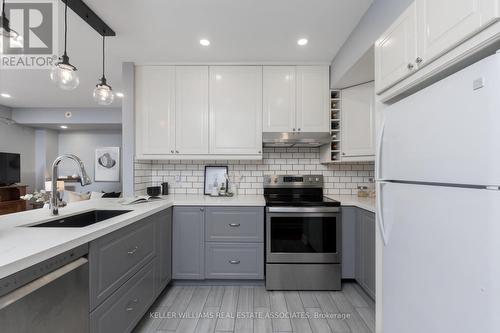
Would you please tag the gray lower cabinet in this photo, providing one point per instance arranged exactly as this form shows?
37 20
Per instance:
163 222
123 310
218 243
349 216
114 258
234 261
188 257
129 268
365 250
234 224
234 243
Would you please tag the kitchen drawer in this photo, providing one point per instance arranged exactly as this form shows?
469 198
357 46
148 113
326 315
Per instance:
123 310
234 261
114 258
234 224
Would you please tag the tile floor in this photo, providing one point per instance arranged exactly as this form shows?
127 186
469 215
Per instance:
250 308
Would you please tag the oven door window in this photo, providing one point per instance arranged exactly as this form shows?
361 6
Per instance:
304 234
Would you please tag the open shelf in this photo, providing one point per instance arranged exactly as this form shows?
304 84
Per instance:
331 153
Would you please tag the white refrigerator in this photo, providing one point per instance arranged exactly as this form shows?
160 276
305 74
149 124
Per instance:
438 206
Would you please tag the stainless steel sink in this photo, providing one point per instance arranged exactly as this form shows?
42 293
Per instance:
81 220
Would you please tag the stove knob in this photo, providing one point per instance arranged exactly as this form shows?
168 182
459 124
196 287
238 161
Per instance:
317 179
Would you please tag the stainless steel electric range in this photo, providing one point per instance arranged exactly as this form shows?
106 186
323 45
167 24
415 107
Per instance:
303 234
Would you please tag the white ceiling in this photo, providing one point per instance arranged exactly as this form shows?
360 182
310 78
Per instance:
152 31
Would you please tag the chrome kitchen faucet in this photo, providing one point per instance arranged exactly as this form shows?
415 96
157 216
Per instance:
84 179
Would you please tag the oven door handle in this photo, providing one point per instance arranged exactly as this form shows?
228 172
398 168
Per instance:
303 209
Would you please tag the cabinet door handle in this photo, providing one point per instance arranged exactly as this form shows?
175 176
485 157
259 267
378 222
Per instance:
172 151
419 60
234 262
177 152
299 129
410 66
129 306
294 129
202 209
133 251
234 225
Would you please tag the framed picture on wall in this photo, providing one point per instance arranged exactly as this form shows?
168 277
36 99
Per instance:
107 164
214 177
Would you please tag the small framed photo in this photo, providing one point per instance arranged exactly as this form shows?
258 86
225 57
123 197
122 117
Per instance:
107 164
214 176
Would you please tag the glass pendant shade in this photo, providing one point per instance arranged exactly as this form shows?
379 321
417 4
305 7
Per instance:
103 94
64 76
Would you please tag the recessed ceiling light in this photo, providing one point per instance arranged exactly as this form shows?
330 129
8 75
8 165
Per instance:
64 126
302 41
204 42
119 94
5 95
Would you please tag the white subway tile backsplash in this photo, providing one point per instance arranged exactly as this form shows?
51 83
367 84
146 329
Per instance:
186 177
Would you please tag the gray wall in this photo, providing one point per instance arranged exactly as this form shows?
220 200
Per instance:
376 20
21 140
83 144
46 151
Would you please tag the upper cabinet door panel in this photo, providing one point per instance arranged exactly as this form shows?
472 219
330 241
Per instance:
155 109
313 98
396 51
443 24
279 98
191 112
235 110
358 137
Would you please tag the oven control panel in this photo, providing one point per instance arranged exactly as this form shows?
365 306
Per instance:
293 181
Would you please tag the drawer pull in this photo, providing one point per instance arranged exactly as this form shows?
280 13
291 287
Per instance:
133 251
129 305
234 225
234 262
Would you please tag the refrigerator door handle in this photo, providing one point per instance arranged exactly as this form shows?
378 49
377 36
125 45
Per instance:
378 162
380 215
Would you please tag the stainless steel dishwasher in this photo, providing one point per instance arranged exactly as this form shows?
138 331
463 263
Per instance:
49 297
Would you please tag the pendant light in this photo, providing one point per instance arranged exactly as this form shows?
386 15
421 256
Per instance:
6 31
103 93
64 74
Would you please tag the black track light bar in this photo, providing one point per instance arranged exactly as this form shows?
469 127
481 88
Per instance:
92 19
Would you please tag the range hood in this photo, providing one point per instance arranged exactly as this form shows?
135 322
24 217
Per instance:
302 139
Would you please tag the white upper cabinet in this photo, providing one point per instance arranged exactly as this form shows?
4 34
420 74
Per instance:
358 121
191 109
279 110
235 110
313 96
427 31
444 24
396 50
155 109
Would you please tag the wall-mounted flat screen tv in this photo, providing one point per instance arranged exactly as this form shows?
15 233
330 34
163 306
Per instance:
10 168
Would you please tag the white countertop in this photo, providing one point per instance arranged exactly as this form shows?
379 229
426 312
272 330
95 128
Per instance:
353 200
205 200
22 247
